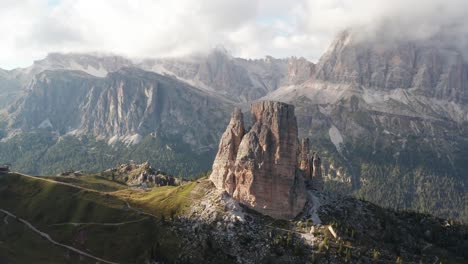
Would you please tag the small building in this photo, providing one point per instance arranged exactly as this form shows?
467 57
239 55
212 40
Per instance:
4 168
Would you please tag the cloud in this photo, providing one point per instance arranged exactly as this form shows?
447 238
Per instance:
248 28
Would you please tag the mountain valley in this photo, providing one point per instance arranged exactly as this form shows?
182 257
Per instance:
249 132
379 114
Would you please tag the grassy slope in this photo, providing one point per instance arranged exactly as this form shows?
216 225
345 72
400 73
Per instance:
46 203
168 201
91 182
21 245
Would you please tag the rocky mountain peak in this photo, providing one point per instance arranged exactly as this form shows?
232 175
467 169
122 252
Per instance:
220 51
265 167
113 62
97 65
300 70
426 68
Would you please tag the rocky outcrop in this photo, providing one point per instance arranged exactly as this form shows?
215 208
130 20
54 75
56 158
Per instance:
304 163
317 180
228 148
261 170
142 175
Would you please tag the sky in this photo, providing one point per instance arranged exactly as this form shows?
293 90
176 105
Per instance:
246 28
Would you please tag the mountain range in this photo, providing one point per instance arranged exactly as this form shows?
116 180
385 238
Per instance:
389 118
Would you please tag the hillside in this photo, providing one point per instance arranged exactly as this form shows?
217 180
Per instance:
193 222
82 218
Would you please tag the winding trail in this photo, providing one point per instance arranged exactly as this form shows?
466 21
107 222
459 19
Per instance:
58 182
47 236
101 224
89 190
138 210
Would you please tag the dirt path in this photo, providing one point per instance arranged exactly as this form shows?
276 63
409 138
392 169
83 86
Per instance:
101 224
89 190
59 182
47 236
139 211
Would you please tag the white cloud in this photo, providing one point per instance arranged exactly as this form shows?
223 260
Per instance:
248 28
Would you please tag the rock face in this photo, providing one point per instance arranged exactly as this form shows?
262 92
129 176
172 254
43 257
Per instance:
317 181
260 168
238 80
228 148
304 159
126 106
300 70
